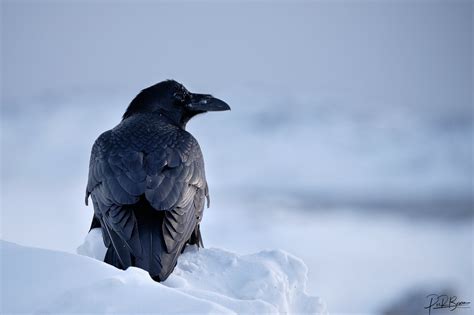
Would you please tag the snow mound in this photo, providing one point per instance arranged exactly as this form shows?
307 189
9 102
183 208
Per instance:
266 282
205 281
93 245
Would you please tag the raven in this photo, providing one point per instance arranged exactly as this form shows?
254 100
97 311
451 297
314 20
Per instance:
147 182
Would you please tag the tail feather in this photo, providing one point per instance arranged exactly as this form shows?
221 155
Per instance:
154 257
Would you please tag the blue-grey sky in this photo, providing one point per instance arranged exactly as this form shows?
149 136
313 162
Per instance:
334 104
395 53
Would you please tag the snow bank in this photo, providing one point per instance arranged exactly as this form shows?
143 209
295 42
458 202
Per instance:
205 281
93 245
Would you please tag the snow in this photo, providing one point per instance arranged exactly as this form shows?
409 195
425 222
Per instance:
205 281
258 200
93 245
362 251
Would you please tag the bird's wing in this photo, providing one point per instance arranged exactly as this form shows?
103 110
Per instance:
177 184
112 168
169 173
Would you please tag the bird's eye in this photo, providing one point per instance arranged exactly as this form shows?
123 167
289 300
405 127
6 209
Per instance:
178 97
181 96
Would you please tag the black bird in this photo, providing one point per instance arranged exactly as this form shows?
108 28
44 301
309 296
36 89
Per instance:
147 181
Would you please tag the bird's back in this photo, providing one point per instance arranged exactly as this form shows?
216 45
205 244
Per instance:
148 187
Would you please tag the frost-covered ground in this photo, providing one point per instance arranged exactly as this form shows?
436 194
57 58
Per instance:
208 281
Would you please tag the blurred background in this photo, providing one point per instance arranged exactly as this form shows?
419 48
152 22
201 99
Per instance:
349 143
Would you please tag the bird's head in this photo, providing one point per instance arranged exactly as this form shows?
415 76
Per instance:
173 100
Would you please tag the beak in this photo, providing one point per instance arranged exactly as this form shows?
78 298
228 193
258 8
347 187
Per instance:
206 103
